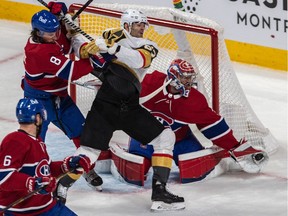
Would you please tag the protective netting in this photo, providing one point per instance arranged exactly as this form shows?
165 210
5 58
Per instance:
196 48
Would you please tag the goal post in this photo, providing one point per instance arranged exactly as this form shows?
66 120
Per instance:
199 41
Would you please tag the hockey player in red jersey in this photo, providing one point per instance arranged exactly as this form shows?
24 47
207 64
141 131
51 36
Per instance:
48 72
25 166
176 105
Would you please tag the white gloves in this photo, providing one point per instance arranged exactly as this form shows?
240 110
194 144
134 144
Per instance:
70 29
105 47
75 22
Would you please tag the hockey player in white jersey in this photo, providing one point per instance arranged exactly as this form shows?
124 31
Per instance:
116 106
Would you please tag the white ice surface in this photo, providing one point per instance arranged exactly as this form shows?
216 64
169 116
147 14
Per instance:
231 194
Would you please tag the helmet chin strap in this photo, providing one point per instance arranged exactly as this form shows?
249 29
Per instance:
38 130
129 28
38 127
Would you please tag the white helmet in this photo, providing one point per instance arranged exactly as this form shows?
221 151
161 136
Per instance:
131 16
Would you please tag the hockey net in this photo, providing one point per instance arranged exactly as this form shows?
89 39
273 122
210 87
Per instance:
196 39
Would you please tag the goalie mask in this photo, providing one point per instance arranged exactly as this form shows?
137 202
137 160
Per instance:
44 21
183 76
28 108
133 16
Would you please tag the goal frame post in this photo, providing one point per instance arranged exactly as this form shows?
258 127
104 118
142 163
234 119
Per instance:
170 24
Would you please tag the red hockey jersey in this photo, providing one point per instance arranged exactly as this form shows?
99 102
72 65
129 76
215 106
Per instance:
48 69
178 112
23 156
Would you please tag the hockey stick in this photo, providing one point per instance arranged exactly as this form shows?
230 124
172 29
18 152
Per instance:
74 27
85 84
31 194
81 9
151 95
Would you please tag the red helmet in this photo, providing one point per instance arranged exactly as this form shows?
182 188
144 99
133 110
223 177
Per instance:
182 74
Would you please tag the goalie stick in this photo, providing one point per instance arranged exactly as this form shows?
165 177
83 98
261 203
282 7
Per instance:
31 194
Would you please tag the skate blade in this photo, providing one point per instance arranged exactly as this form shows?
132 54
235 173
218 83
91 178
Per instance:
97 188
161 206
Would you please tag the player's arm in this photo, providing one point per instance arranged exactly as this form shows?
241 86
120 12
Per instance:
140 57
10 163
53 63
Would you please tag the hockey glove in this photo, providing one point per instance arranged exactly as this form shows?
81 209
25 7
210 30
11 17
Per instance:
69 28
107 46
45 185
57 8
251 160
89 49
76 164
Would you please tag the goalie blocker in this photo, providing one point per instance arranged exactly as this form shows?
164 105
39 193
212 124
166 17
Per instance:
193 166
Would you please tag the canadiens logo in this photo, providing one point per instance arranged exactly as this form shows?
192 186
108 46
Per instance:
43 168
164 119
167 121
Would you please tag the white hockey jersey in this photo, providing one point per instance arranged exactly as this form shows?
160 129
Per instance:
137 53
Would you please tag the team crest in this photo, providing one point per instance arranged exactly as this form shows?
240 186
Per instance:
43 168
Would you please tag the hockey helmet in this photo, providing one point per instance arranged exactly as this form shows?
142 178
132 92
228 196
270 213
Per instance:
28 108
133 16
45 21
178 71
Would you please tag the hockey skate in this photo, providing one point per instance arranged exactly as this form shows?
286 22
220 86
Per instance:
93 180
163 200
61 193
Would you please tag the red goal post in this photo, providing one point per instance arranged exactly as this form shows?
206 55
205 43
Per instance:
196 39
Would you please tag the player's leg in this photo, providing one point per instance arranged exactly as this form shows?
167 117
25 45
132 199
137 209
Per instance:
147 129
59 209
96 134
72 127
51 115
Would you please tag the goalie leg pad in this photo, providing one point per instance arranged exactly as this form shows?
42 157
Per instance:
198 165
128 167
187 145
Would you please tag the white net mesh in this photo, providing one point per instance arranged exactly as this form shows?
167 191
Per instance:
233 105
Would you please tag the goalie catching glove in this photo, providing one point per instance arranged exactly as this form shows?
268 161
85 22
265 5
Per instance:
76 164
45 185
251 160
